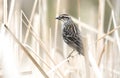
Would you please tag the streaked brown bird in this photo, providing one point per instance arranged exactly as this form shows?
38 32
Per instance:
71 33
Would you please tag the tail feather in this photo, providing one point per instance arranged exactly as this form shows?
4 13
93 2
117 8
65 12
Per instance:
80 51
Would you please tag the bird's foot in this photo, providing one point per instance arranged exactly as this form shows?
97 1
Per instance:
70 56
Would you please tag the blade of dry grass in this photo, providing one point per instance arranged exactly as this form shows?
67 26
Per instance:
5 11
27 52
57 66
31 17
78 3
109 3
60 64
101 54
91 58
42 60
100 26
116 32
104 47
113 30
56 23
11 11
21 27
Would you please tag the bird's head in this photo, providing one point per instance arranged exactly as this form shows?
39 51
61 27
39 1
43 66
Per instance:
63 17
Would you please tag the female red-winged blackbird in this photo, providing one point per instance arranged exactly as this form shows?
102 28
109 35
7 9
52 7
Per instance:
71 33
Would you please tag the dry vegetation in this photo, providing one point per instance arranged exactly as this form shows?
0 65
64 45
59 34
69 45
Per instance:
31 45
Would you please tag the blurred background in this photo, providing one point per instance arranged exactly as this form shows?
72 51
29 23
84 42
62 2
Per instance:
31 44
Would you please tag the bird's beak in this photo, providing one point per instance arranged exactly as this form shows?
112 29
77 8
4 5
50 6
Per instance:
58 18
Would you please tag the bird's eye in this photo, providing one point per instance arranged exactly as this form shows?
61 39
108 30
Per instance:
62 16
66 17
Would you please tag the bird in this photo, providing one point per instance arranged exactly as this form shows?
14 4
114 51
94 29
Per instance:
71 33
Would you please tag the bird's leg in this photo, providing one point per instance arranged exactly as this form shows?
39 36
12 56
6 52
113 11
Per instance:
70 53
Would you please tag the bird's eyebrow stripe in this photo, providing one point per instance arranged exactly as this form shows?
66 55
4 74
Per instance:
64 16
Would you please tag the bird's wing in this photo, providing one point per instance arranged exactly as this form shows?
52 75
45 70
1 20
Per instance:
75 39
72 35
